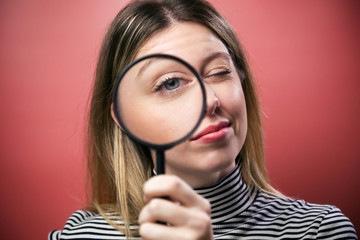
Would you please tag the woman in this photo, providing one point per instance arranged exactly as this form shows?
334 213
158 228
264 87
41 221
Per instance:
216 183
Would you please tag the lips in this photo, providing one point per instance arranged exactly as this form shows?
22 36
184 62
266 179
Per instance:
213 132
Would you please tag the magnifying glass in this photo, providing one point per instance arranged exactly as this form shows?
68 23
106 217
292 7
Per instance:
159 100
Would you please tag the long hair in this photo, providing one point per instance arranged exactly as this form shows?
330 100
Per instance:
117 166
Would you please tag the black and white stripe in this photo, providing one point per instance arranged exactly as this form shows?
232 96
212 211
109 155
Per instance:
239 211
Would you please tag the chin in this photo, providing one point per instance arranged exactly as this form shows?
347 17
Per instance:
217 161
219 158
204 163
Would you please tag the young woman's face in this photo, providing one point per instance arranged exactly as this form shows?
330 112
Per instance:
210 153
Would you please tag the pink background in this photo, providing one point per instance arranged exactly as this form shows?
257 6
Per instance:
304 55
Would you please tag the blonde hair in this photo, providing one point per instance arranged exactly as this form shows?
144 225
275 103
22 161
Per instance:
117 166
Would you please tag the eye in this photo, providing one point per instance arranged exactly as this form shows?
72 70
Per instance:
171 84
219 72
222 73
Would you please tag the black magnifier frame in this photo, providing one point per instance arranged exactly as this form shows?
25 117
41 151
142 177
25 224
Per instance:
159 148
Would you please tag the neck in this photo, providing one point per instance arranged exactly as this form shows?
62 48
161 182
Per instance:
229 196
200 179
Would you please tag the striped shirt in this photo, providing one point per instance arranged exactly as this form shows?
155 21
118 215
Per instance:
238 211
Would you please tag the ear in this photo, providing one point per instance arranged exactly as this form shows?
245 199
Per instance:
113 115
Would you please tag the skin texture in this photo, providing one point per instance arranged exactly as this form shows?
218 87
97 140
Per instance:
205 163
197 162
167 93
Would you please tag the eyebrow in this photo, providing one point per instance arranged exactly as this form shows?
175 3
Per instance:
205 62
146 65
213 56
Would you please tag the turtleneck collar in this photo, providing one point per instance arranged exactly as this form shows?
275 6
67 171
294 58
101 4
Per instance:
229 197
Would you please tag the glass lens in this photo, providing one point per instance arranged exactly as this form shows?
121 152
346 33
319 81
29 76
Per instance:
159 100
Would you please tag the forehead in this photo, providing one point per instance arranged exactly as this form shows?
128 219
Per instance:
189 41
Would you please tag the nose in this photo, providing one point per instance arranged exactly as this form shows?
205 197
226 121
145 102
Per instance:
212 101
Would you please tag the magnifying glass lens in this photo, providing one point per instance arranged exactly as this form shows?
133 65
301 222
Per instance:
159 100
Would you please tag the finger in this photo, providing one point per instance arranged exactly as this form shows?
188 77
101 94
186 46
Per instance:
161 210
152 231
176 189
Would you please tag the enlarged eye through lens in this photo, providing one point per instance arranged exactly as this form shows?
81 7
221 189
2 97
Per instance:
172 84
159 99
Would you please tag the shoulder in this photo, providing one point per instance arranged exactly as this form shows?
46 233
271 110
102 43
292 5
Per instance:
319 221
86 225
336 225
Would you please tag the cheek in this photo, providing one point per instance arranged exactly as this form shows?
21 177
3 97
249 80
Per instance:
232 100
160 123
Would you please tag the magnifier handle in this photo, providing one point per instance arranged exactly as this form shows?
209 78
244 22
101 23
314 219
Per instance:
160 169
160 162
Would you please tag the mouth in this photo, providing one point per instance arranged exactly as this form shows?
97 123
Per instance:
213 132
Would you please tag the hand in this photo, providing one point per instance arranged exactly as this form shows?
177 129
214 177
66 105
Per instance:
186 214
